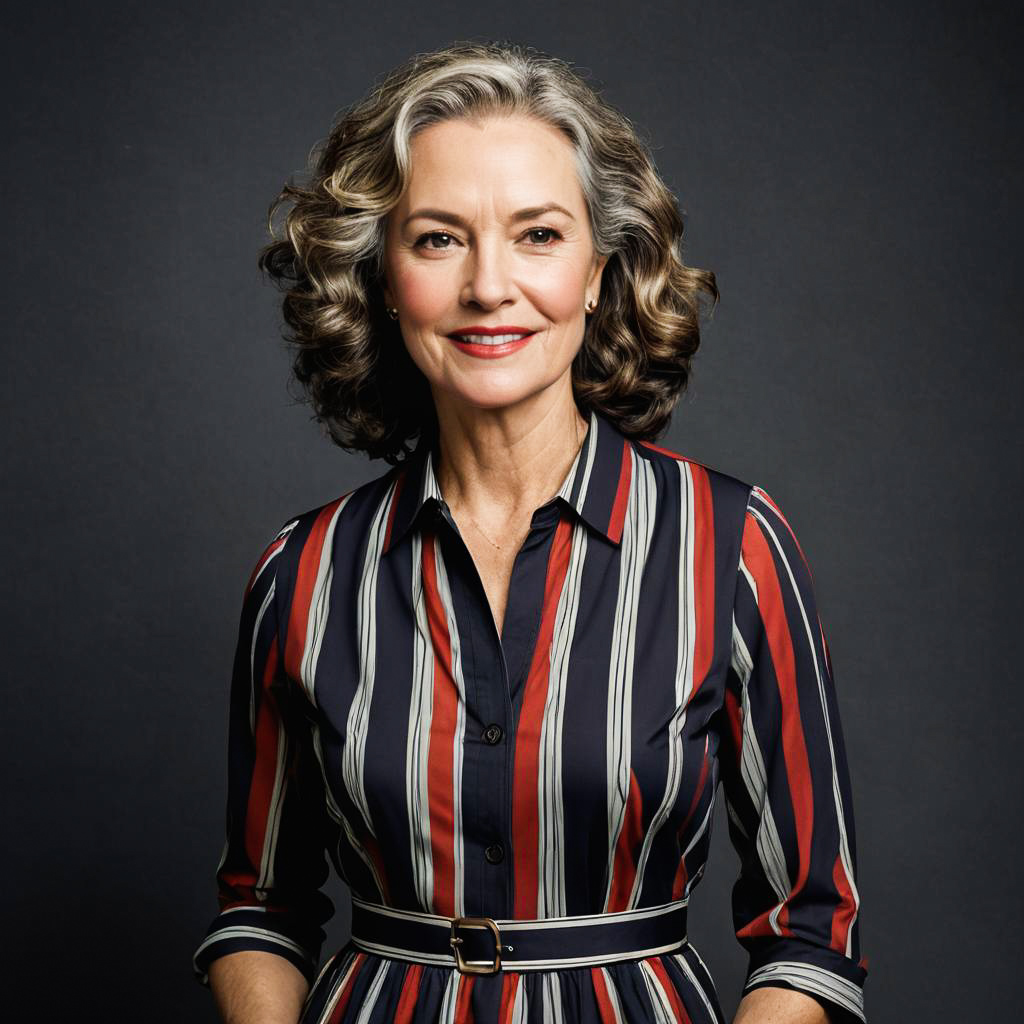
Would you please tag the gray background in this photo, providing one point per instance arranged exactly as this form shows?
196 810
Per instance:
850 173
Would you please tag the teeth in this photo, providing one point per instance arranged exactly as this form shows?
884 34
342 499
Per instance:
490 339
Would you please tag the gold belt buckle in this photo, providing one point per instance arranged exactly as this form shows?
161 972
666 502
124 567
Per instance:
475 967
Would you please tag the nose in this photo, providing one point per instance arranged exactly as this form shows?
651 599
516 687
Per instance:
489 281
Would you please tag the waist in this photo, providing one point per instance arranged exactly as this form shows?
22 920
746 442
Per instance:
484 945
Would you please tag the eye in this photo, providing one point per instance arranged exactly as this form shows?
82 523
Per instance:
543 231
444 240
433 234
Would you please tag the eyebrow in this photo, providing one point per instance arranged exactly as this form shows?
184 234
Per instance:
446 217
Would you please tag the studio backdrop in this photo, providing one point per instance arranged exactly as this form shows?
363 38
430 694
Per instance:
850 174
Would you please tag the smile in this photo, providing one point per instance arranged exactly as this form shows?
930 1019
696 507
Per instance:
490 343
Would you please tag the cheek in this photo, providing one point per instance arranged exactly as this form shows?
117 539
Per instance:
559 291
422 296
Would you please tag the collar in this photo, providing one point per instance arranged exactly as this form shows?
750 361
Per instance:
595 489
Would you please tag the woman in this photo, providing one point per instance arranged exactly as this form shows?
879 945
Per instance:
498 683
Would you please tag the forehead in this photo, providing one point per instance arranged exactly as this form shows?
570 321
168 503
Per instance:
497 161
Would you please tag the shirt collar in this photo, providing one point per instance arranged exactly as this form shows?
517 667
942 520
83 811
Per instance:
596 487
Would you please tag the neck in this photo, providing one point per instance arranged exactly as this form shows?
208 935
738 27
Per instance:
498 462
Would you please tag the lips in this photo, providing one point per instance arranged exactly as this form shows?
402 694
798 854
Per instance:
491 342
477 331
487 339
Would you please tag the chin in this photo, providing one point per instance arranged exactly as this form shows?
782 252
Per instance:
497 397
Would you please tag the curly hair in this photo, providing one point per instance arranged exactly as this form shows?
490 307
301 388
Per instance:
635 359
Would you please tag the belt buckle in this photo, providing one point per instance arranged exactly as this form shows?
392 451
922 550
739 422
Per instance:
474 967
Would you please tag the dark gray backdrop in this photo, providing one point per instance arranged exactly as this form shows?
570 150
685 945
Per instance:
851 174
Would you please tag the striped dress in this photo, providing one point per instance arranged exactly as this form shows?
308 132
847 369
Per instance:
660 634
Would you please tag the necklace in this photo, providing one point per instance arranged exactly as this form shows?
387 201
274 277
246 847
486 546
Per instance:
480 529
482 534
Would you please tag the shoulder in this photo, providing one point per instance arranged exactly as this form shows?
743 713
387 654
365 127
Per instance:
348 513
742 509
730 493
299 559
768 529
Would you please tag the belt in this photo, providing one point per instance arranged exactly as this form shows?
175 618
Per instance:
484 945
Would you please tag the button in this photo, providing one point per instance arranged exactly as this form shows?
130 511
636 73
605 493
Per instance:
493 734
495 853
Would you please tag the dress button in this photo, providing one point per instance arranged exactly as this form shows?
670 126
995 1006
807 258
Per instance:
494 853
493 734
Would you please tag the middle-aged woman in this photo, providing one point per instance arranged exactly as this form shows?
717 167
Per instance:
499 684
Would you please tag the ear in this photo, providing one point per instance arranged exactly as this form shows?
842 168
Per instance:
594 283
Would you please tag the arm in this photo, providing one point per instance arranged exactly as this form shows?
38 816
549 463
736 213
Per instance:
252 987
784 772
261 950
770 1005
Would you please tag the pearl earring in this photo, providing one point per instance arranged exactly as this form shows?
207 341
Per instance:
591 305
392 312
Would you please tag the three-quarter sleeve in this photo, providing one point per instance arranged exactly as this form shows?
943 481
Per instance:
785 778
273 863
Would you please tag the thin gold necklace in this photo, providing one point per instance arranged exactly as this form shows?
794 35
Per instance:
479 528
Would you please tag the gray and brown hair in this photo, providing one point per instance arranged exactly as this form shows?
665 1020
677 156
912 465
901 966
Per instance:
635 360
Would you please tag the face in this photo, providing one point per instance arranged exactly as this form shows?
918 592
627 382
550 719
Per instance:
492 232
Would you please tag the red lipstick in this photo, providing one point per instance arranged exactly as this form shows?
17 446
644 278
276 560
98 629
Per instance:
465 341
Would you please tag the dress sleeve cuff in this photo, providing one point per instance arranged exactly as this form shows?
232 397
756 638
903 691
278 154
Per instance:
256 928
833 979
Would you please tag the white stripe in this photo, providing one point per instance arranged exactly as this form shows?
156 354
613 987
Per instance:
246 910
685 967
239 931
519 1003
265 881
315 629
844 847
636 540
266 871
283 532
421 714
584 456
417 747
686 637
450 1003
340 985
755 776
319 606
514 924
752 770
539 964
373 993
327 965
613 996
812 978
255 685
357 726
551 998
459 738
551 895
381 949
656 994
431 488
700 831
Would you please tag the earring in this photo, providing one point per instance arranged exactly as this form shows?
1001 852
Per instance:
591 305
392 312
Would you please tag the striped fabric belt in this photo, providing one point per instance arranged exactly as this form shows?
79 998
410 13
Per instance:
484 945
